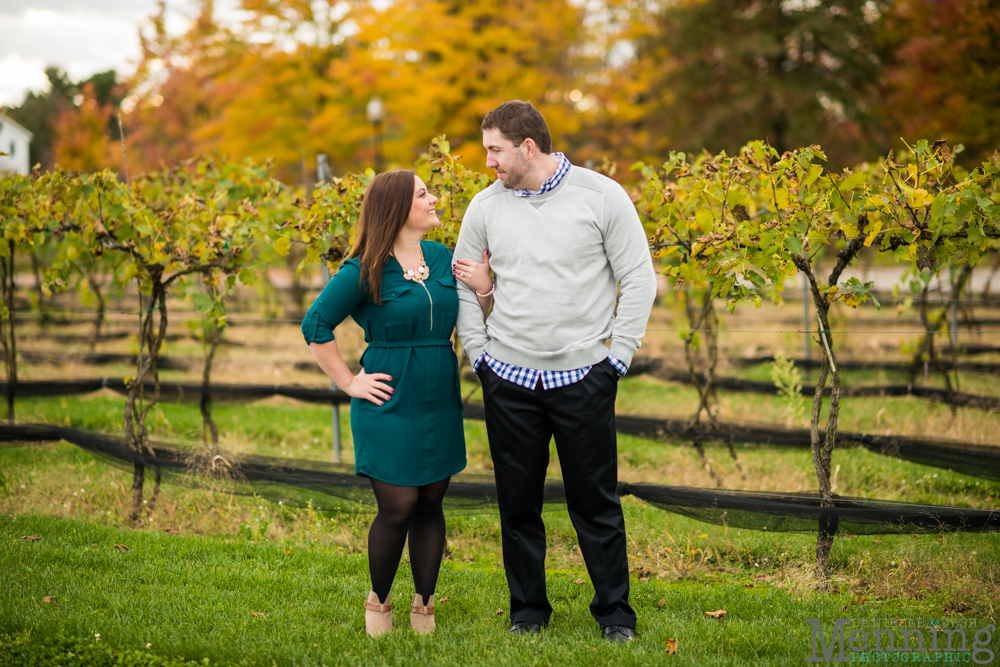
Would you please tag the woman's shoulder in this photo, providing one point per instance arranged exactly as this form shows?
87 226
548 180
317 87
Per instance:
353 264
435 249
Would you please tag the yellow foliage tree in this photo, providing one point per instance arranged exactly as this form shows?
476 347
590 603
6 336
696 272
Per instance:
82 141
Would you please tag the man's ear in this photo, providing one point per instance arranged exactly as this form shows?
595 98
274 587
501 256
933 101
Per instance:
530 147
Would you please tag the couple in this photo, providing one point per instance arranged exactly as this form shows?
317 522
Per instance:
559 240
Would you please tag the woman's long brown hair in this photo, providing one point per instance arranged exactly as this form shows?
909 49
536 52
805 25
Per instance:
384 210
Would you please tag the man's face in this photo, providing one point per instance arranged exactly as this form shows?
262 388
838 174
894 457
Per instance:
509 161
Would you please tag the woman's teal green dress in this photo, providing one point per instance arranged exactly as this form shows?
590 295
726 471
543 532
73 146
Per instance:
417 436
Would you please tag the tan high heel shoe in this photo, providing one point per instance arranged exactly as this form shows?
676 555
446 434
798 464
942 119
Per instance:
378 615
422 615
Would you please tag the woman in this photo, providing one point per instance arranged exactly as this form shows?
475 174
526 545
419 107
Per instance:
406 409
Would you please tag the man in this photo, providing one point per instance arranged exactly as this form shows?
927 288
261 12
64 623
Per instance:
560 238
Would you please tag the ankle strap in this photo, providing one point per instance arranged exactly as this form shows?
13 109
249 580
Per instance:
422 609
382 607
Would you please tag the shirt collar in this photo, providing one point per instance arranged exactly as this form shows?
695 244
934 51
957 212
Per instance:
552 181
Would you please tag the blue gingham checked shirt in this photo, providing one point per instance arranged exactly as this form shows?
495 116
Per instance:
528 377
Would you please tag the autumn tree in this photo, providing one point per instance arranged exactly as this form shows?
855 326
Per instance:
942 76
792 72
174 91
42 112
82 138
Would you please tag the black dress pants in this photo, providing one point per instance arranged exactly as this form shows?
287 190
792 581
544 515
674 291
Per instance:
520 423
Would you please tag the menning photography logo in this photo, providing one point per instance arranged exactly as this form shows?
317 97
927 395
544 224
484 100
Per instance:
903 643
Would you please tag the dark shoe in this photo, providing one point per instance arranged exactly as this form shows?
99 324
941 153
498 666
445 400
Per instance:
618 634
524 628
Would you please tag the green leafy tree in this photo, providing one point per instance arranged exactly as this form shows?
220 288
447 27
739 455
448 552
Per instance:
719 73
21 223
205 219
761 216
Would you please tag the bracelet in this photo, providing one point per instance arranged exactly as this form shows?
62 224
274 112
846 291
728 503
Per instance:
483 296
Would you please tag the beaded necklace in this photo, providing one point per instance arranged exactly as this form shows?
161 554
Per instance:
420 274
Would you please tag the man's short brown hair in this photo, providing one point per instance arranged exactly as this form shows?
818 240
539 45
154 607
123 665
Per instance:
518 120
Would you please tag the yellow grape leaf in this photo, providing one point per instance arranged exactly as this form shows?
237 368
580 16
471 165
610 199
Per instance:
781 198
876 228
921 198
814 172
282 246
703 220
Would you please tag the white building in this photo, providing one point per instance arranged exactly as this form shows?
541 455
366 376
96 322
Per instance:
14 141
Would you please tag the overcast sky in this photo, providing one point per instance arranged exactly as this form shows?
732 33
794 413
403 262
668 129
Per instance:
81 36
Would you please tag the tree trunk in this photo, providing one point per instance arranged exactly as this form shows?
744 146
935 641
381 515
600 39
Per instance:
704 323
212 336
927 354
298 292
136 435
212 340
822 450
8 329
42 316
95 287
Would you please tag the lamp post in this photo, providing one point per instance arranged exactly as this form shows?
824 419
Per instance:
376 112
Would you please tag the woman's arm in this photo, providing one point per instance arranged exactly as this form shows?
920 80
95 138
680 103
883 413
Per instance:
477 276
361 385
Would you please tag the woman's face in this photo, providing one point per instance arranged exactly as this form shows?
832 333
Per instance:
422 216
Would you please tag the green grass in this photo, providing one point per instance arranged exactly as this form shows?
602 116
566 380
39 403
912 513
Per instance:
196 596
164 592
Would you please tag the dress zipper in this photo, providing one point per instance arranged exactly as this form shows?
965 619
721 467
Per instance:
429 298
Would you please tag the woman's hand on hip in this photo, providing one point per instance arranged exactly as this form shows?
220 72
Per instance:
476 276
370 387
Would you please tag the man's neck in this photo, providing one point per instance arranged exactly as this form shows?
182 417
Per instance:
544 166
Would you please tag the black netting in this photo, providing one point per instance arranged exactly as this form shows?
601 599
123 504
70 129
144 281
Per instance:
327 486
967 458
657 368
897 366
173 391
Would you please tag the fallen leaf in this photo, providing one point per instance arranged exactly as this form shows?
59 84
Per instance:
122 547
959 608
861 600
877 541
579 581
258 614
94 544
661 602
671 646
49 598
718 613
499 612
591 647
443 600
30 538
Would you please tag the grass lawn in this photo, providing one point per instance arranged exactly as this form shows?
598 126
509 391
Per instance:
289 603
205 561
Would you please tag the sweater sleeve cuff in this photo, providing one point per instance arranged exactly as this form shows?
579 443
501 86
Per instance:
476 357
621 352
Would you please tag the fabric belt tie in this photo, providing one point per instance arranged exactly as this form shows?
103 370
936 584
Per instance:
411 343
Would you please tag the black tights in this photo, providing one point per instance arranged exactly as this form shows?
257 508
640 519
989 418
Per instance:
407 509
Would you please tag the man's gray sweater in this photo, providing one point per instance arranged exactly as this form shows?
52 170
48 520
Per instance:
557 258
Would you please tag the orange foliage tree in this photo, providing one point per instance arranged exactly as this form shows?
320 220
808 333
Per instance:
82 141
